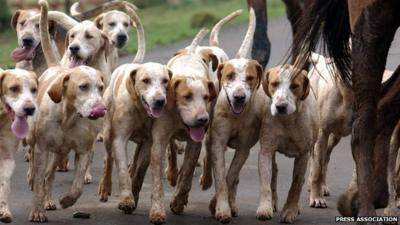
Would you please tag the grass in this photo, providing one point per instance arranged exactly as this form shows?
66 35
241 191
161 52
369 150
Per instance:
163 24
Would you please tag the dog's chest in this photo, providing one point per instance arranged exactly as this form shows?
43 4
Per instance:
244 132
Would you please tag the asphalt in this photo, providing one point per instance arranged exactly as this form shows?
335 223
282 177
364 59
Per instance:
196 212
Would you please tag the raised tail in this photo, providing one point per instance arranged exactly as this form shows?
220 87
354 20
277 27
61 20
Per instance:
116 4
51 58
197 39
215 30
328 21
248 39
141 49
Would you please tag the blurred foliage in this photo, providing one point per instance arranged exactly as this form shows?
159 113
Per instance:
203 19
5 16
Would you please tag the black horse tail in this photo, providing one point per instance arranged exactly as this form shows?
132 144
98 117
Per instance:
326 21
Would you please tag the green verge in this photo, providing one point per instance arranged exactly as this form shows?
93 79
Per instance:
163 24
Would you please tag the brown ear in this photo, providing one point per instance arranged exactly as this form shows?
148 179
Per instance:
211 90
57 89
131 84
106 45
2 76
208 57
171 93
66 41
259 71
265 84
14 19
170 74
306 85
99 21
219 74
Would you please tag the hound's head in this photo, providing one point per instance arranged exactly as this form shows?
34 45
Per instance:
18 90
239 78
27 33
148 83
286 86
86 43
116 25
190 96
82 89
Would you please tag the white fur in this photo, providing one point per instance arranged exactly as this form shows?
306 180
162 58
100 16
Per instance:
283 95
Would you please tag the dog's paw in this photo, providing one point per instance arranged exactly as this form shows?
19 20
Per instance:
223 213
205 181
5 216
325 190
264 213
67 201
104 190
318 202
289 214
157 216
127 205
234 211
38 217
50 205
391 211
178 205
88 178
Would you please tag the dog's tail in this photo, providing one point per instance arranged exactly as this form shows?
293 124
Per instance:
61 18
248 39
215 31
51 58
141 49
117 4
197 39
328 19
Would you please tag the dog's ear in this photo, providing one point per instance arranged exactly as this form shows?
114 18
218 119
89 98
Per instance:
106 45
211 90
306 85
130 85
208 57
66 44
57 89
170 74
259 70
265 83
219 75
14 19
171 92
3 74
180 51
99 21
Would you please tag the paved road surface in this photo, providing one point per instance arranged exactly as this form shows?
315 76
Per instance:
196 211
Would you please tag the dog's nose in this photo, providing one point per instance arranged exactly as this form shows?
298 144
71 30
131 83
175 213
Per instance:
121 38
74 49
282 109
159 103
29 111
201 121
239 98
27 42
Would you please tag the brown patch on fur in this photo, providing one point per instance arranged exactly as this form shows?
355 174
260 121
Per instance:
172 89
208 57
225 71
254 73
57 89
130 85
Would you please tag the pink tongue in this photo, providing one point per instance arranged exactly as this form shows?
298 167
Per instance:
156 113
20 54
238 108
76 62
20 127
98 110
197 134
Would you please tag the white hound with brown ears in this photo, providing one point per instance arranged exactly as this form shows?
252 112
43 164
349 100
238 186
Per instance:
288 127
18 90
116 24
70 102
236 123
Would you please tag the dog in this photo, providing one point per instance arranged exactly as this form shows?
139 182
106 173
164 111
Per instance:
289 127
236 123
116 24
70 101
186 118
29 55
331 93
18 90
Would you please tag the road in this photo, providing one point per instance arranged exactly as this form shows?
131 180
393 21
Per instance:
196 212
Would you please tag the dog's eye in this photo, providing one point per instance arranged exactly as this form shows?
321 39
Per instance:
229 76
164 81
14 88
88 36
275 84
205 97
146 81
37 26
22 23
101 88
112 24
126 24
72 35
188 97
294 86
33 90
84 87
249 78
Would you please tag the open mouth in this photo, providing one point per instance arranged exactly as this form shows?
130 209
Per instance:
153 112
196 133
77 61
19 126
23 53
119 44
237 108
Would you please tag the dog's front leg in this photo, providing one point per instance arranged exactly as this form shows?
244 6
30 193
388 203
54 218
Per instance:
7 165
55 160
143 161
192 153
291 208
81 164
38 213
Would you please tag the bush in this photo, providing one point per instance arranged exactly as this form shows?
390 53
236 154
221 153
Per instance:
203 19
5 16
